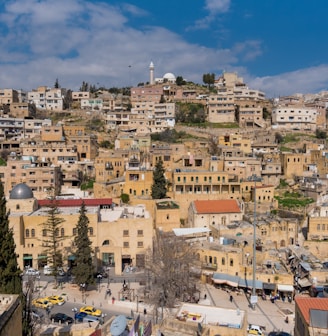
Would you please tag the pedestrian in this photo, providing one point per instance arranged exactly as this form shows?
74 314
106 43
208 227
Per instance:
113 300
231 298
205 296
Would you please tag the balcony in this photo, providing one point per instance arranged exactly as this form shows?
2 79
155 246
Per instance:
209 266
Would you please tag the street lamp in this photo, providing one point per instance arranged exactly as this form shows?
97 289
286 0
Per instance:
255 179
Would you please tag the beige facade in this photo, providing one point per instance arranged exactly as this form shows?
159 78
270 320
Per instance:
294 118
318 223
8 96
146 94
295 164
221 108
120 236
40 176
21 110
10 315
167 215
236 141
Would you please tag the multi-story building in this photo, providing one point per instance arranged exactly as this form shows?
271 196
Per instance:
47 98
221 108
8 96
295 164
92 103
296 118
21 110
120 236
39 175
146 94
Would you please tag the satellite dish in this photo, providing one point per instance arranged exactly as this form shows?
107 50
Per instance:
118 325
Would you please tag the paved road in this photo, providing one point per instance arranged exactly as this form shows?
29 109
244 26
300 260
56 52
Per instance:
267 314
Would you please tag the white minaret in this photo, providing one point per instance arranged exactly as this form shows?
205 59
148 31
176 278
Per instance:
151 73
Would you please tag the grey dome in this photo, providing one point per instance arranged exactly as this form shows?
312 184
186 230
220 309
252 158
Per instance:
21 191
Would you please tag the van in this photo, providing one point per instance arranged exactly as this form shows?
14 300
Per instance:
48 270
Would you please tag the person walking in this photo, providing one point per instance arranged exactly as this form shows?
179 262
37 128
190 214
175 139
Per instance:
231 298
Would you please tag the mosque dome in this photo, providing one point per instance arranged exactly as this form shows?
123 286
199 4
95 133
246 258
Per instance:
169 76
21 191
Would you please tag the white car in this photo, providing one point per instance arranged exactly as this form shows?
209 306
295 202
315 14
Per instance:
32 271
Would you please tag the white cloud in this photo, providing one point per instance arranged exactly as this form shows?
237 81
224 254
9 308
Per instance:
93 42
309 80
217 6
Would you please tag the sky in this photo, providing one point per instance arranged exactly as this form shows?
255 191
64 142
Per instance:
277 46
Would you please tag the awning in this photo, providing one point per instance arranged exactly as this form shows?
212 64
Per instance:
248 283
285 288
269 286
306 266
222 278
42 257
305 282
71 257
29 257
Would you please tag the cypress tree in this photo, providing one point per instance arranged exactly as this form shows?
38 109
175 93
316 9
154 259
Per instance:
54 234
10 274
83 271
159 186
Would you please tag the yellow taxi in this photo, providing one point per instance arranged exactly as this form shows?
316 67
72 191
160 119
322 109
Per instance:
56 300
90 310
42 303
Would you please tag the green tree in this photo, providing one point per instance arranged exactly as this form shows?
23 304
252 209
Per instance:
10 278
125 198
159 186
53 236
56 85
209 79
180 81
84 269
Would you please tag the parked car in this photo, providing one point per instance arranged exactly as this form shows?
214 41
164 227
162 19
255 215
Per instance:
84 317
32 271
48 270
90 310
56 300
279 333
62 318
41 303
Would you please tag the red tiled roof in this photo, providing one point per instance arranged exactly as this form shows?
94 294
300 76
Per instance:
77 202
307 303
217 206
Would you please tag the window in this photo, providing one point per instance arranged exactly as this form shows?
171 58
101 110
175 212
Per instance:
57 232
140 233
231 262
318 227
126 244
125 233
140 244
91 231
62 232
44 233
105 242
74 232
27 233
33 232
223 261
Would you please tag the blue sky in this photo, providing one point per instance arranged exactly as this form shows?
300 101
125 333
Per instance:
277 46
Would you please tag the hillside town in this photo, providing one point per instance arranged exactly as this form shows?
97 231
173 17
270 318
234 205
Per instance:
246 186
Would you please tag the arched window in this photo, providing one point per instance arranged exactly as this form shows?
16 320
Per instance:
215 260
91 231
223 261
33 232
62 232
17 206
44 233
57 232
105 242
231 262
27 233
74 232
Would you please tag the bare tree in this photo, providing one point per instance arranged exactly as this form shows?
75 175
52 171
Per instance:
171 267
213 147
